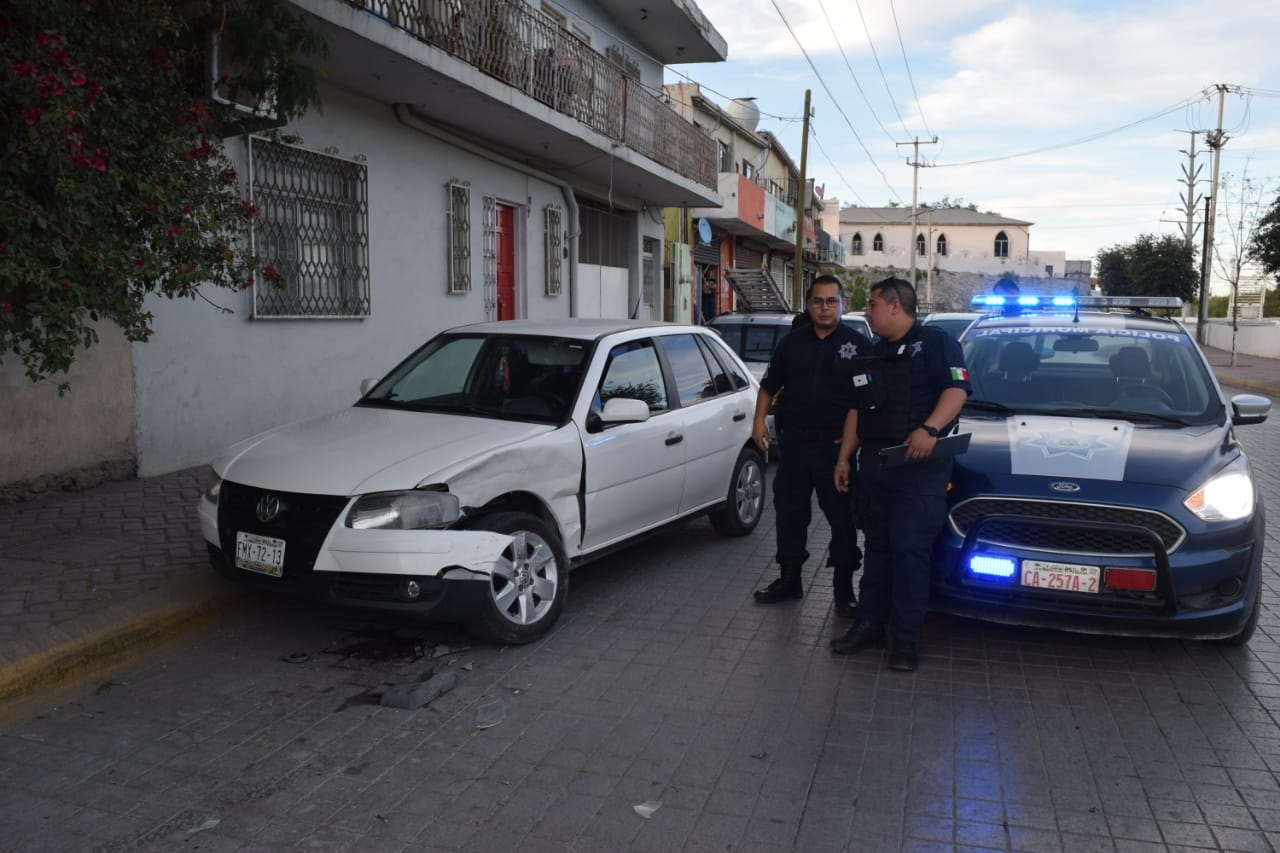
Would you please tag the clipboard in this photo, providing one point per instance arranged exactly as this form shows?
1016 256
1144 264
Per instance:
947 445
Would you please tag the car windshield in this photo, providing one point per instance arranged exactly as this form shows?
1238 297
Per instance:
1090 370
953 326
513 377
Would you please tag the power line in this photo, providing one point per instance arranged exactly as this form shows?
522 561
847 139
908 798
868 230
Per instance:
865 99
827 89
914 93
1183 104
876 56
813 133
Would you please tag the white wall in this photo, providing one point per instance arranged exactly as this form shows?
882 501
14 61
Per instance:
1254 337
970 248
207 379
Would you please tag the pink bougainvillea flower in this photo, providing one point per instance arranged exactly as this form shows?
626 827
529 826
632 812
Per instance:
26 69
31 115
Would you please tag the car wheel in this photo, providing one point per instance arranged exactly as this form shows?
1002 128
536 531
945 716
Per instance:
745 502
529 582
1246 633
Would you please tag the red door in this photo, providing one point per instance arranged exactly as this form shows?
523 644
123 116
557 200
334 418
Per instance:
506 249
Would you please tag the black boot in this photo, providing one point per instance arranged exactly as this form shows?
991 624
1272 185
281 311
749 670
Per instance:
903 656
785 588
863 635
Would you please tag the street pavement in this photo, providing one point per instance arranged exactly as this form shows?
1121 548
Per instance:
146 703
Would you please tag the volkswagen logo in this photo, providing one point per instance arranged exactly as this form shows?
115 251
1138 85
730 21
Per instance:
1060 486
268 508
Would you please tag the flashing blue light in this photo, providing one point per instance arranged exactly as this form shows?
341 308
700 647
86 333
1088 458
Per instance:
985 565
987 299
1029 301
1064 301
1011 303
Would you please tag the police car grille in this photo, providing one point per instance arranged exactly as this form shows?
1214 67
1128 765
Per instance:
1097 537
303 522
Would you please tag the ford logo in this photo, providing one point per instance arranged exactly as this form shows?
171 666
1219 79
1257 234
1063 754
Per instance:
268 508
1060 486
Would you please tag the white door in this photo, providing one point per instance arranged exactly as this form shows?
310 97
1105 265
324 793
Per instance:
634 473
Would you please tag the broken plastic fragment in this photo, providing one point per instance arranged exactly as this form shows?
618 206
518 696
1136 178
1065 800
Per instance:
415 694
646 810
489 714
296 657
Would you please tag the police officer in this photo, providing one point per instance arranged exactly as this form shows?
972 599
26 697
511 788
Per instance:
910 393
810 379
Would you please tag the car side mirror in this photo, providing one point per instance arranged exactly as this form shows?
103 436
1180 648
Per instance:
624 410
366 385
1249 409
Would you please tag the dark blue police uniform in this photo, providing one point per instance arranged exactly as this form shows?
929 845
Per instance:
815 378
901 509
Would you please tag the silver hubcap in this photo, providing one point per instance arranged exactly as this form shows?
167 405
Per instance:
525 579
748 492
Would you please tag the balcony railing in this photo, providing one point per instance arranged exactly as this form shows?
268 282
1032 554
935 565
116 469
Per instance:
531 52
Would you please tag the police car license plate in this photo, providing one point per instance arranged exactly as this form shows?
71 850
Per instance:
1067 577
262 554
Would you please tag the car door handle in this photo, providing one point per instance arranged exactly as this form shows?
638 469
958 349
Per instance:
674 439
739 416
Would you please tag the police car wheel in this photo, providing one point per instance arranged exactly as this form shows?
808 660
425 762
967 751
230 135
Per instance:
529 583
744 504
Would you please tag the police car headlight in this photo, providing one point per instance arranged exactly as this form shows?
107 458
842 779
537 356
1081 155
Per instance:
415 510
1226 496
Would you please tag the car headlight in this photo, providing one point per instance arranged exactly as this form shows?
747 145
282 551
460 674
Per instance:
214 488
416 510
1226 496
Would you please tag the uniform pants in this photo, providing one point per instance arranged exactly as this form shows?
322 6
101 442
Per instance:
901 511
807 467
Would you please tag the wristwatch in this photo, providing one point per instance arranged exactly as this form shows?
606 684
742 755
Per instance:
932 431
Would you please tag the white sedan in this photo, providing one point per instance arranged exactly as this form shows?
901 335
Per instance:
468 481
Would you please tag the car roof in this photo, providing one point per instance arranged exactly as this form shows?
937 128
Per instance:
1091 319
584 328
951 315
755 317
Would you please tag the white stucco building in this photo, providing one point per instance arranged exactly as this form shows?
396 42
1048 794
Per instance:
476 160
951 239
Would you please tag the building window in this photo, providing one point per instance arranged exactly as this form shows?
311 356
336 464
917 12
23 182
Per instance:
922 245
726 156
1002 245
855 245
554 248
313 227
877 243
458 226
605 237
748 170
942 244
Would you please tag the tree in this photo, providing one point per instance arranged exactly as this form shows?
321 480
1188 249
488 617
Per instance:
1149 266
1242 200
113 183
1265 247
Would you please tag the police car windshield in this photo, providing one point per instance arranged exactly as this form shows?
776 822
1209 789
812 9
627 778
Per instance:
1057 366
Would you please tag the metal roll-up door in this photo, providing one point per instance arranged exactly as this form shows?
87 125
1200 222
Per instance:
707 253
745 257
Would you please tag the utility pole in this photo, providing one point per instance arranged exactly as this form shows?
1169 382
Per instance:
1191 175
915 165
797 269
1215 140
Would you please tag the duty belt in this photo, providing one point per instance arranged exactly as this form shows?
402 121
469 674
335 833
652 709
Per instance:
811 434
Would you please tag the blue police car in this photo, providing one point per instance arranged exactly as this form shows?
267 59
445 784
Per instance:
1103 489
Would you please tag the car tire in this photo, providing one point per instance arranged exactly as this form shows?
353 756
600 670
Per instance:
1246 633
529 583
744 504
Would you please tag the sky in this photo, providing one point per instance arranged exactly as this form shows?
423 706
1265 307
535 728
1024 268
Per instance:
1072 114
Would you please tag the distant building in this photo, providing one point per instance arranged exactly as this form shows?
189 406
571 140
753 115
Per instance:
948 239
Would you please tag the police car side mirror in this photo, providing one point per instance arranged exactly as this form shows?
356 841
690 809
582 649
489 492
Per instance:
1249 409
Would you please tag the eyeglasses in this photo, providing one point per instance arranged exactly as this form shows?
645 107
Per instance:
818 301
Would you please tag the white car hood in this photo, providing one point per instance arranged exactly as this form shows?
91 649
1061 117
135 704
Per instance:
362 449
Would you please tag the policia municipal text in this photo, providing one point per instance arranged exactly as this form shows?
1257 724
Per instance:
909 393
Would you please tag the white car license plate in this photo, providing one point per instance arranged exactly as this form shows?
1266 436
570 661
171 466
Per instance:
264 554
1061 576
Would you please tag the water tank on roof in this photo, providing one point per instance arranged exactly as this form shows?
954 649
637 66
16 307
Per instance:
745 112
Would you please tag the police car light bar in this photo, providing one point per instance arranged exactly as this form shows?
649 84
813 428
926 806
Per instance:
989 300
1167 302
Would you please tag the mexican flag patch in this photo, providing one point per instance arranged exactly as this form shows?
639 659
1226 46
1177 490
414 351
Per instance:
959 374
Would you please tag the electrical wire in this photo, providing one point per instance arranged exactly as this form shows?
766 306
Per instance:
876 56
813 133
843 56
910 79
839 109
1181 105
